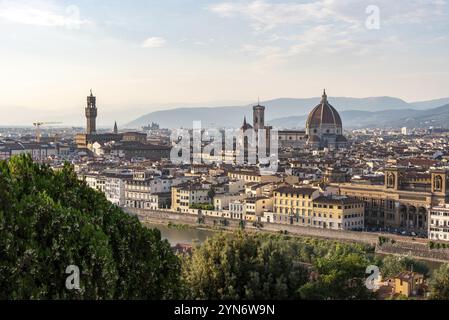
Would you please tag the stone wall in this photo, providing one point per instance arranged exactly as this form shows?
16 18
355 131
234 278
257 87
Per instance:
416 248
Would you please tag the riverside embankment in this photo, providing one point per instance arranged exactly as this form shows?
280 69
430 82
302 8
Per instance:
384 243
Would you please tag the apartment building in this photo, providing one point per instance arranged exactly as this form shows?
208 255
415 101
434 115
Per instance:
337 212
255 207
237 209
290 203
95 181
114 187
185 195
439 223
222 201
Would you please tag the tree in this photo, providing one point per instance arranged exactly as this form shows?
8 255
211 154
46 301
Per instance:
211 193
339 278
50 220
391 266
243 266
439 283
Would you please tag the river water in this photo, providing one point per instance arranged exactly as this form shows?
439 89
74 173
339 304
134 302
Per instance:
184 236
192 236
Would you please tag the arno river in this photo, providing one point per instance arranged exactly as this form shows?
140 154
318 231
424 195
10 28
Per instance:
185 236
192 235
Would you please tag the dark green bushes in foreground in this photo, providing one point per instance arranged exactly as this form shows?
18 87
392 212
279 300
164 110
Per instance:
49 220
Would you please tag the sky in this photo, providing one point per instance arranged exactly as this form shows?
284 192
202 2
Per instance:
140 56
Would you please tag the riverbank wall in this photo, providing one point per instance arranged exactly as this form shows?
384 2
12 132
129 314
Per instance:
391 244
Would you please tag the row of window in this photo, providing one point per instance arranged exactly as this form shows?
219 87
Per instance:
439 236
309 213
358 224
292 202
439 213
292 195
442 223
349 206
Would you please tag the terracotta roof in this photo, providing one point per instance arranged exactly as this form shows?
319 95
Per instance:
336 200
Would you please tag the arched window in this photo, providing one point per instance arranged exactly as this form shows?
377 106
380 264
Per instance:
438 184
390 180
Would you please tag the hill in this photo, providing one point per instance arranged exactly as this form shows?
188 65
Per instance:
232 116
437 117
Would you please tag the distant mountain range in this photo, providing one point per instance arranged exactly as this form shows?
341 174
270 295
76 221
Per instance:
292 113
436 117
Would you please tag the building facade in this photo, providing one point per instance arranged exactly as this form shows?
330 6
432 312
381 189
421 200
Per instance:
289 204
338 213
403 201
185 195
439 223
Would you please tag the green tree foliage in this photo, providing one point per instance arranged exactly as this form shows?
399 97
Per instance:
439 283
339 278
50 220
202 206
243 266
211 193
392 266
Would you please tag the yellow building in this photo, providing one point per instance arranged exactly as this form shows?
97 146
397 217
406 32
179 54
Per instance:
290 203
338 213
408 284
255 207
187 194
306 207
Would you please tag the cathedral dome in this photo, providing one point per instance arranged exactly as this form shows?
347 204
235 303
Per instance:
324 114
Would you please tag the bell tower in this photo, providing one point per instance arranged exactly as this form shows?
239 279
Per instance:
91 114
258 117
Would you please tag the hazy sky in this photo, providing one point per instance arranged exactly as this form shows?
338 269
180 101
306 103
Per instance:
142 55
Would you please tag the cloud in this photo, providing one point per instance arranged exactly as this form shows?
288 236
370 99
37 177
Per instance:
263 15
287 29
41 13
154 42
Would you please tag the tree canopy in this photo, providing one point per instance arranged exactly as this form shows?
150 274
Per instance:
50 220
439 283
243 266
393 265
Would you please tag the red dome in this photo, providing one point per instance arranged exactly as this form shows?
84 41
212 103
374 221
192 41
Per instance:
324 114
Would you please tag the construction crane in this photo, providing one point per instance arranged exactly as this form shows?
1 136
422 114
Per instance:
38 126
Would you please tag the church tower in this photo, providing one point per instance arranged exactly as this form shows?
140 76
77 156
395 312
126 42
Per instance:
91 114
259 117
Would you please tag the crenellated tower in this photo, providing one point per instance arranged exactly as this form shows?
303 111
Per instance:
91 114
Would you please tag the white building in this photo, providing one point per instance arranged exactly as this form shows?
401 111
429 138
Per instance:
221 201
237 209
439 223
114 187
95 181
